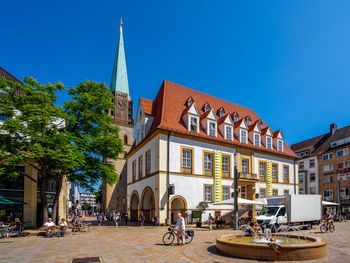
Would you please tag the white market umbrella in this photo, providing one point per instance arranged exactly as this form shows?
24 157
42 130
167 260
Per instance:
326 203
241 201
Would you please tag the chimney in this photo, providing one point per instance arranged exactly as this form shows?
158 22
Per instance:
332 128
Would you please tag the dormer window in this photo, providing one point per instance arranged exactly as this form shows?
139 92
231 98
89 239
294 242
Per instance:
243 136
212 128
193 124
221 112
249 121
268 142
142 131
189 102
259 124
206 107
235 117
256 139
228 132
280 145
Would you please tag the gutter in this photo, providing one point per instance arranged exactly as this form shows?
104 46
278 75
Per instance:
295 182
168 178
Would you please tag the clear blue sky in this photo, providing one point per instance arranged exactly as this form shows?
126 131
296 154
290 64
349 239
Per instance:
287 60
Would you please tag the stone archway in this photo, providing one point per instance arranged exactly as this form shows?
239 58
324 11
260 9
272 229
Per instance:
148 204
134 206
178 204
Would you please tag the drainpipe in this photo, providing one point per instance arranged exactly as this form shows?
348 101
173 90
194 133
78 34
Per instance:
168 178
295 182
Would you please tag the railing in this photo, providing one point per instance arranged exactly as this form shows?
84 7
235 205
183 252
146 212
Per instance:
328 198
344 197
248 176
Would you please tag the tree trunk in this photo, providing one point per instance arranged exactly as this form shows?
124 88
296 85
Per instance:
43 203
56 200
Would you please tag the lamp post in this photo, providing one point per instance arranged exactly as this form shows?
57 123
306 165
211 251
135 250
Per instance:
235 193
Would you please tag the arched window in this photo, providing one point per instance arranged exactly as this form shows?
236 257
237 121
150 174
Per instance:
125 139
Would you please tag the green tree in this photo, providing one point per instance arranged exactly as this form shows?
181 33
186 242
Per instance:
86 207
76 141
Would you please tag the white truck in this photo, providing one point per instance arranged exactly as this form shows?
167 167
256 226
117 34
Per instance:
304 210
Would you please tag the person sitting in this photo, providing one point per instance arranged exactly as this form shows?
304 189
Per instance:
49 223
50 228
63 226
256 227
328 217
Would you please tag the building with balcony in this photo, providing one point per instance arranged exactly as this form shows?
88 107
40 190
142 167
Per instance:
187 144
331 166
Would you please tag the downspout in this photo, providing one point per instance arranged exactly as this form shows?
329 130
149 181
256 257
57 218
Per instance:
168 178
295 182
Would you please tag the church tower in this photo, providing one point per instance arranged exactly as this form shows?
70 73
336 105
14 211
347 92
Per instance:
114 196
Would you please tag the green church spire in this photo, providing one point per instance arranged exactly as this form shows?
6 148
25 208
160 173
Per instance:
119 80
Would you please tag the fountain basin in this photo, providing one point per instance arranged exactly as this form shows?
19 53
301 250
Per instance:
295 249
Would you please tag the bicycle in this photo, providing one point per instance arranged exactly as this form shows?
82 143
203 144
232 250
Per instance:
169 236
327 227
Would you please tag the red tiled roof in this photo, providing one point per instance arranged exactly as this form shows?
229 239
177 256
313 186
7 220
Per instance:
5 74
168 109
147 106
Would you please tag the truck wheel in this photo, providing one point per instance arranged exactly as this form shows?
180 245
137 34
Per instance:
308 226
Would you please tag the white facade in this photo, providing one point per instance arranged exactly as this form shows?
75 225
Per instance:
308 175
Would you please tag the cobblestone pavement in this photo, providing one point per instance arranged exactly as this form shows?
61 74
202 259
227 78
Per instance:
136 244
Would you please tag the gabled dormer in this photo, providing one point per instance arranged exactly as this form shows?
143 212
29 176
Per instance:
221 112
144 119
267 137
225 124
235 117
190 116
189 102
248 120
242 130
209 122
278 139
206 107
255 133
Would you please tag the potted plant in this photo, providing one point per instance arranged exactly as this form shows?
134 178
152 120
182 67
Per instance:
201 208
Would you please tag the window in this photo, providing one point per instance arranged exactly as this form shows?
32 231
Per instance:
141 166
286 191
262 193
344 193
286 172
134 171
328 194
327 156
221 112
312 163
245 166
148 162
193 124
268 142
228 132
243 136
212 128
312 177
235 117
301 165
262 169
313 190
256 139
328 179
208 161
208 193
275 171
142 131
187 158
346 164
327 168
225 164
225 192
243 192
301 178
274 192
280 145
342 152
125 139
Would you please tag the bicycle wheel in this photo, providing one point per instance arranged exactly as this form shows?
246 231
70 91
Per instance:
168 238
323 228
331 228
188 239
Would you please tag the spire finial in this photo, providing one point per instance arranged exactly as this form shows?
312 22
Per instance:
121 24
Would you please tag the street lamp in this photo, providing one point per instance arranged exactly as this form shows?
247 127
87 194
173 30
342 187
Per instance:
235 193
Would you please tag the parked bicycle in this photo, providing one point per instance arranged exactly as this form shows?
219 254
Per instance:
327 227
169 236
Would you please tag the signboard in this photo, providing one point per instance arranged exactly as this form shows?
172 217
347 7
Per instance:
269 179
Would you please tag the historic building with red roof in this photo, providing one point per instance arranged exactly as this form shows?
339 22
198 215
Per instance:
187 143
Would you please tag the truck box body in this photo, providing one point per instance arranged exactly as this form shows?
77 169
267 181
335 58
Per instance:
300 208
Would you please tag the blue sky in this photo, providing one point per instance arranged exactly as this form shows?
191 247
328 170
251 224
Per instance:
287 60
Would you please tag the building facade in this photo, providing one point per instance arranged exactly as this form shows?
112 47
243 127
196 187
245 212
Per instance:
187 144
332 165
114 196
88 198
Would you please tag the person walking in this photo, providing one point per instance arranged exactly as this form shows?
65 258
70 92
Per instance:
155 221
210 221
126 219
142 220
99 219
117 218
180 228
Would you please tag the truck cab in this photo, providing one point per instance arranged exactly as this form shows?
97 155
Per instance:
271 215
